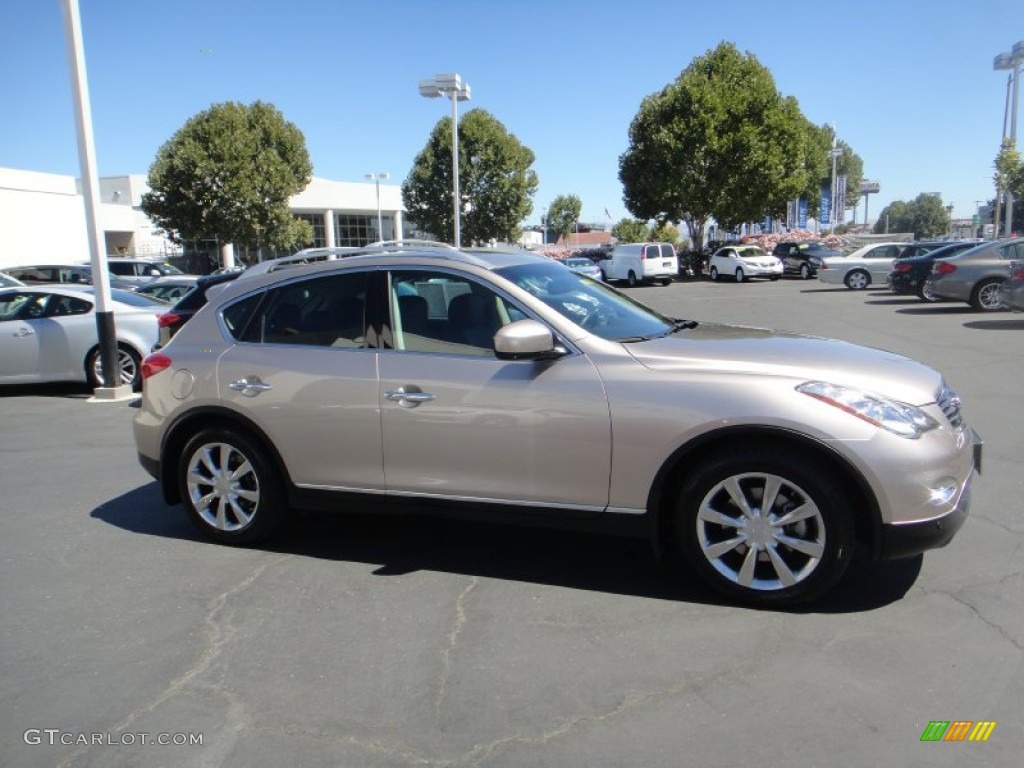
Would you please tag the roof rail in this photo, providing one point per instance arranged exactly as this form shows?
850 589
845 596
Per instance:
412 243
319 255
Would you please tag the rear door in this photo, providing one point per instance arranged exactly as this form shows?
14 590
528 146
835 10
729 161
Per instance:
304 372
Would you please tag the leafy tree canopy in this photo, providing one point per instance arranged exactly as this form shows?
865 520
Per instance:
925 216
631 231
719 141
496 182
228 174
563 213
665 233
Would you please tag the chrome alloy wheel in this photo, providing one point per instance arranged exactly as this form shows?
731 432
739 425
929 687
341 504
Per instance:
761 531
125 359
222 486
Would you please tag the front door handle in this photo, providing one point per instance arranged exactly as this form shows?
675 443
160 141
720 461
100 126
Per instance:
23 331
250 386
408 397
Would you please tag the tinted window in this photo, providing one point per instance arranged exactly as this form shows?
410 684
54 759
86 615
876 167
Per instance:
134 299
327 311
121 268
60 306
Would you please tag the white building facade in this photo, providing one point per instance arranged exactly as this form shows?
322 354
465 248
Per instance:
42 217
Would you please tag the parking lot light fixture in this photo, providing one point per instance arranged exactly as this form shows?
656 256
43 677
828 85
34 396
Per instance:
452 85
376 178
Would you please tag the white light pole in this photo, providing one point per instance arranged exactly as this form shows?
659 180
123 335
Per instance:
1011 61
450 83
834 153
376 177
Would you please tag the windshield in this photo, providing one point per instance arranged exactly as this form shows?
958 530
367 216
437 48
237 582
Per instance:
751 252
590 304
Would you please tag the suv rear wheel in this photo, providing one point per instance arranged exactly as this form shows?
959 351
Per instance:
764 528
229 487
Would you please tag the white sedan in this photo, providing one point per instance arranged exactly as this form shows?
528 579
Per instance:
48 333
742 262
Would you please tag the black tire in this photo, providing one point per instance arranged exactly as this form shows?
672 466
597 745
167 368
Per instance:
666 281
740 277
924 295
985 296
631 278
714 274
805 272
130 362
252 508
857 280
811 551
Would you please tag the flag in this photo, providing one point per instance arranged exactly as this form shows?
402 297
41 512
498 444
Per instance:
607 215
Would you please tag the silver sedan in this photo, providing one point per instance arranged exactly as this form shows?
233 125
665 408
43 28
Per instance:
48 333
868 264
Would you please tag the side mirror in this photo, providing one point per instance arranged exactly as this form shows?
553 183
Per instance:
526 340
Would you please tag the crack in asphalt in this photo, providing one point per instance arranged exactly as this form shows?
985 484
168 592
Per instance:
219 632
458 622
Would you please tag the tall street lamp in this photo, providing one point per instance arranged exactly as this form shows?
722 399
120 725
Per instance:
376 177
451 84
835 153
1011 61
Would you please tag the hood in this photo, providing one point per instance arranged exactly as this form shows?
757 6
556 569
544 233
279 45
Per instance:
736 349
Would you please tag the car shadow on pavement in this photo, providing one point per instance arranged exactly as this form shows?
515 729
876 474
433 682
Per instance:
893 301
404 544
939 309
1010 324
57 389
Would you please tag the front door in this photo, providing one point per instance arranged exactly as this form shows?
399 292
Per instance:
460 424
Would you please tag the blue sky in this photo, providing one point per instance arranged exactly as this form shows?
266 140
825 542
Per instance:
909 84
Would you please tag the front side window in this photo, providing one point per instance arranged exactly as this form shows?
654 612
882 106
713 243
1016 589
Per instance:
445 313
325 311
588 303
22 305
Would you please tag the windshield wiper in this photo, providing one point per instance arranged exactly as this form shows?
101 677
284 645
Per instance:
681 325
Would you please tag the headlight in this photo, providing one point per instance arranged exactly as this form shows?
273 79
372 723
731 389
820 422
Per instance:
899 418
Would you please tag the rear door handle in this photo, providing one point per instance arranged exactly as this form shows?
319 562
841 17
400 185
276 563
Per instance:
408 397
23 331
250 386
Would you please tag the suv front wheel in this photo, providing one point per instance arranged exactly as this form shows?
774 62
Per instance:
764 529
230 487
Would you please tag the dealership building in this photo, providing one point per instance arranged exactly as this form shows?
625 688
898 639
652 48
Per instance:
42 218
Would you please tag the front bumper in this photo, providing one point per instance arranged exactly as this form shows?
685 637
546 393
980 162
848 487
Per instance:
898 540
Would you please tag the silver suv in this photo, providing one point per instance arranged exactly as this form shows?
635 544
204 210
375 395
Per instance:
505 385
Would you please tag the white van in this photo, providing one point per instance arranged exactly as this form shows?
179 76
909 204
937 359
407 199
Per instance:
642 263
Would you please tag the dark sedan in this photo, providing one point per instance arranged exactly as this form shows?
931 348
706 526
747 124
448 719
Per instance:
175 317
802 258
909 272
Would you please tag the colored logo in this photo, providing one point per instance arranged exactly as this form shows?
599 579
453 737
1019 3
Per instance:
958 730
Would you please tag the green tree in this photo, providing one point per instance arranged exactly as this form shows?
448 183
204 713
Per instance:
1009 176
563 214
925 216
665 233
496 182
719 141
819 166
631 231
228 174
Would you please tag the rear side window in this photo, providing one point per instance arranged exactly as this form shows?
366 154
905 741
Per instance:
326 311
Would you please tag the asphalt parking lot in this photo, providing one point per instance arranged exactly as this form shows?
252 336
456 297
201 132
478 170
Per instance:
364 642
